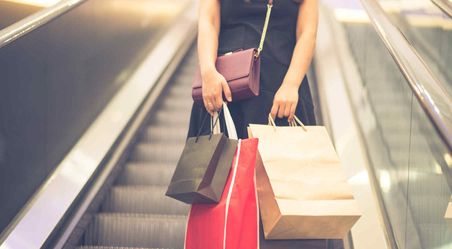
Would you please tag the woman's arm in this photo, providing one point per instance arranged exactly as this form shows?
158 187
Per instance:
213 83
286 99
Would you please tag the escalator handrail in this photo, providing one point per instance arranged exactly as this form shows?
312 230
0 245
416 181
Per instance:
36 20
430 92
444 5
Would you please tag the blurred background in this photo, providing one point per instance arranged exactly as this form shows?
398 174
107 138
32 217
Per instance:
95 100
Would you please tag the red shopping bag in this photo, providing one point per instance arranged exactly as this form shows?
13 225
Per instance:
233 223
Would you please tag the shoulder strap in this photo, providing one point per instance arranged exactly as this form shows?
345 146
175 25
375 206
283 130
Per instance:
264 30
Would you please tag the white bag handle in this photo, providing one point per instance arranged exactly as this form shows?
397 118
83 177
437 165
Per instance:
230 127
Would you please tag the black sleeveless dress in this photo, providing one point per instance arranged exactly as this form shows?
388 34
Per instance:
241 27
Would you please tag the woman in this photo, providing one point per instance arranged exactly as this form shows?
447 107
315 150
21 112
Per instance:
230 25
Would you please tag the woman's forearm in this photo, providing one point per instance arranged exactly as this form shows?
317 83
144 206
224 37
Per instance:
301 59
306 34
214 85
208 30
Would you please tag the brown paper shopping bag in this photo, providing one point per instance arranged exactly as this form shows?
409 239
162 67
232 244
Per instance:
301 188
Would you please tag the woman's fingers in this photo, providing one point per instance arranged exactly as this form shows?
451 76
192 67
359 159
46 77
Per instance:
227 91
293 107
274 110
217 101
207 103
212 91
214 101
285 102
287 109
282 109
212 105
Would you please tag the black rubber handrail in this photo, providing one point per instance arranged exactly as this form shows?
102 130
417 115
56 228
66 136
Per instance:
30 23
444 5
430 92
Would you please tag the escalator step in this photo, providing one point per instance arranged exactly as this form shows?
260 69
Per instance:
157 152
165 117
182 105
136 214
189 65
146 174
392 116
183 80
400 126
181 86
136 230
179 93
164 133
142 199
182 124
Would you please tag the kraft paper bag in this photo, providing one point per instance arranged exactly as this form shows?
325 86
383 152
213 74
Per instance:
301 188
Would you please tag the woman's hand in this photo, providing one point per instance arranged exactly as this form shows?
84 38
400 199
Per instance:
285 101
213 87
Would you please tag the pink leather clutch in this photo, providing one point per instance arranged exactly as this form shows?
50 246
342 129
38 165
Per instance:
241 70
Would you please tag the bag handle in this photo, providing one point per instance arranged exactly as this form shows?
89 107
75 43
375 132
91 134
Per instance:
230 126
204 122
264 30
294 123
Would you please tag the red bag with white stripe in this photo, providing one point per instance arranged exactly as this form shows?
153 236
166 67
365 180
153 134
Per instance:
233 223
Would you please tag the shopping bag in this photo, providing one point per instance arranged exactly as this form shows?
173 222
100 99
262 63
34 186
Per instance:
296 244
301 189
233 222
204 165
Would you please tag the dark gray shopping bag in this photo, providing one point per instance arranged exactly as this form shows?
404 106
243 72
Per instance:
204 166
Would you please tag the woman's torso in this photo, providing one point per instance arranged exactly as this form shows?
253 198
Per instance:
242 22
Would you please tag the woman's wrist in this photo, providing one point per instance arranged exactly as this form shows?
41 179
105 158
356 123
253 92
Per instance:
291 81
208 70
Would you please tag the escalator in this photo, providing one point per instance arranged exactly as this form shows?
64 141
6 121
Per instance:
135 212
83 196
121 202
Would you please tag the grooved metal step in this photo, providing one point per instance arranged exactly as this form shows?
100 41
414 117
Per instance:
179 93
135 213
137 230
164 117
146 173
157 152
142 199
164 133
178 105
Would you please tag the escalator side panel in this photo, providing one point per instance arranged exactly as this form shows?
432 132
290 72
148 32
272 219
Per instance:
56 80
